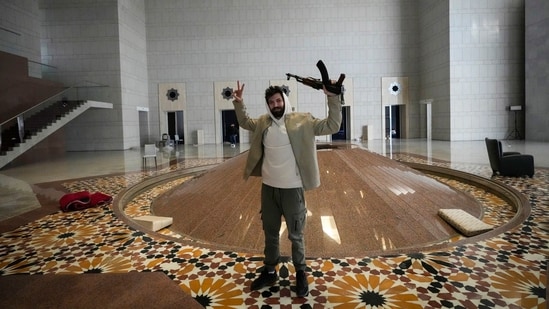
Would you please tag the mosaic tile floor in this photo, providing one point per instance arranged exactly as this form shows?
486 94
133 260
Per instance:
505 271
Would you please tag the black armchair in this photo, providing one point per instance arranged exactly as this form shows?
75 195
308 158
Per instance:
508 163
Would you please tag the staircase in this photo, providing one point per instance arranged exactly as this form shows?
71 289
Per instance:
39 126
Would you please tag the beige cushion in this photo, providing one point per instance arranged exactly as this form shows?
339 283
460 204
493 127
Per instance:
154 223
464 222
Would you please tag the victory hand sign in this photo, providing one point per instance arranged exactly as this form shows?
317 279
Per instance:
237 94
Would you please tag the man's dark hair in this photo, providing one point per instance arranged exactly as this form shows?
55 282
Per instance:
272 90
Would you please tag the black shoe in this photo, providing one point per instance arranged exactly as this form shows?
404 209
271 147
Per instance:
302 286
264 280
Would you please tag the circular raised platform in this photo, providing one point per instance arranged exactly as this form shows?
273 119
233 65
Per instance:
367 204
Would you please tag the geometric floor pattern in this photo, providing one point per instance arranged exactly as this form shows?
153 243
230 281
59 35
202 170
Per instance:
508 270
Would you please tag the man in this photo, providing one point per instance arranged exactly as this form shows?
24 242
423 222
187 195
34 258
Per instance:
233 134
283 153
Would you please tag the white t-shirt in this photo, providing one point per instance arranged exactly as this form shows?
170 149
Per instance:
279 168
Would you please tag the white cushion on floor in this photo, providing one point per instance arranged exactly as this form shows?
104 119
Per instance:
464 222
154 223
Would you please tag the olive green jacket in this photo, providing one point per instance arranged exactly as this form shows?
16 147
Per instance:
302 129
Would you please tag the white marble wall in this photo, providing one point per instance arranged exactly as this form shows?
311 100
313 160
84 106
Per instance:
202 42
537 70
434 68
466 55
487 67
99 43
81 40
20 33
133 70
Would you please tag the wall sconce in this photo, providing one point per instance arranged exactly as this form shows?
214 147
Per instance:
172 94
227 93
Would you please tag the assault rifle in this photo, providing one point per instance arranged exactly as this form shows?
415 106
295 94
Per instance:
335 88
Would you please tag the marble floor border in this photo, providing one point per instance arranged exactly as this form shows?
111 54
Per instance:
517 200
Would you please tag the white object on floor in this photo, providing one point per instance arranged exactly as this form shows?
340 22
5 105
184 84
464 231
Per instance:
154 223
464 222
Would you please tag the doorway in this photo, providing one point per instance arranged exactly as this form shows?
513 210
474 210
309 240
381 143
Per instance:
144 137
228 118
345 128
392 121
175 126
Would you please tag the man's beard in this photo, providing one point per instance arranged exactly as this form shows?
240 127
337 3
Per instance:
277 112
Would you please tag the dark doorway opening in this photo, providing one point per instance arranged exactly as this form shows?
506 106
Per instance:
228 118
392 121
144 137
345 128
175 127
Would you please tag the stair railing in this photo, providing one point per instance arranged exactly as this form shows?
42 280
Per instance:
62 99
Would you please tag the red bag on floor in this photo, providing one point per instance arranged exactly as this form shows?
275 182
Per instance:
75 201
82 200
100 199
